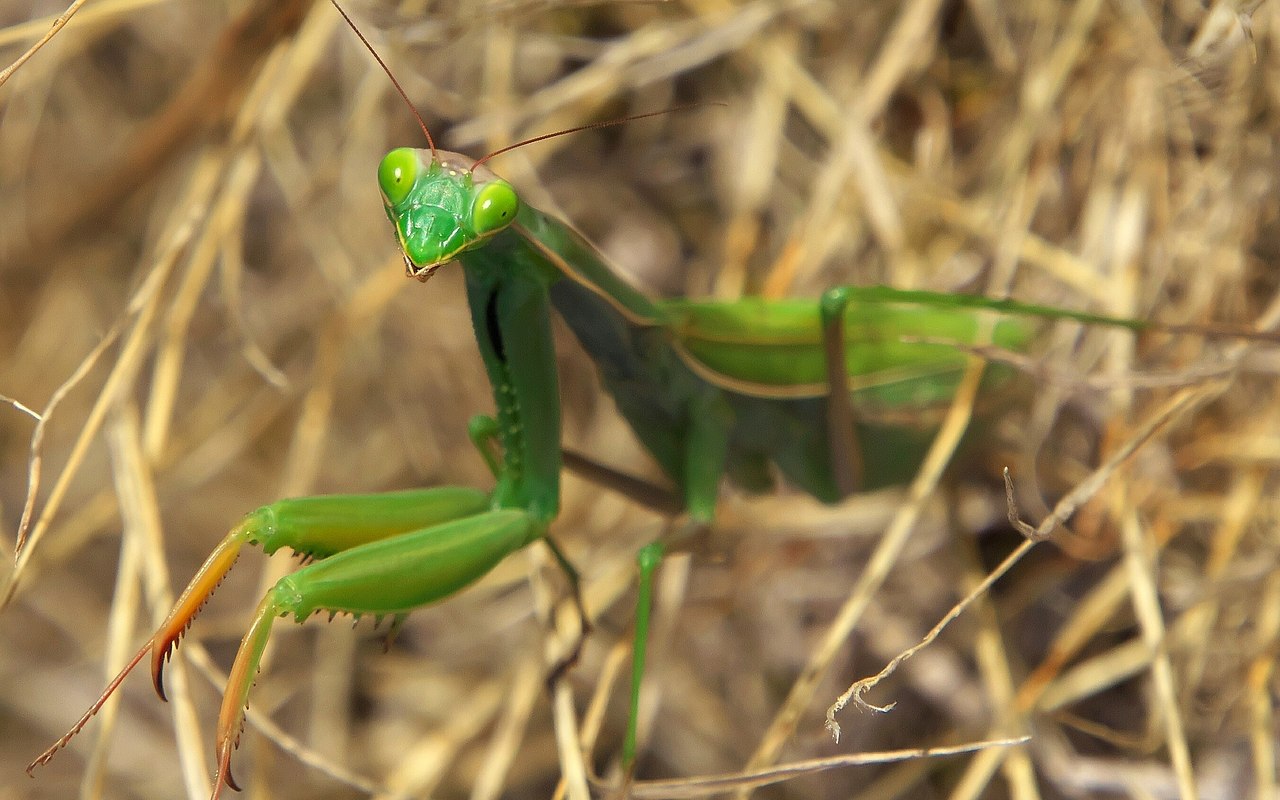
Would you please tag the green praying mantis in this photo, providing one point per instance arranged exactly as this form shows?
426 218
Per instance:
815 391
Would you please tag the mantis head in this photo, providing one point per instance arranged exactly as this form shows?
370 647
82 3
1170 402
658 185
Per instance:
441 206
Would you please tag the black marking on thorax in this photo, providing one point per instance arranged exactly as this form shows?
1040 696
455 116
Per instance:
495 332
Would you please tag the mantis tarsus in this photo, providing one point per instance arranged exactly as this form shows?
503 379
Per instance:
709 388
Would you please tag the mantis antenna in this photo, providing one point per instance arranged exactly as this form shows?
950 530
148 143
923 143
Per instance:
421 123
431 142
589 126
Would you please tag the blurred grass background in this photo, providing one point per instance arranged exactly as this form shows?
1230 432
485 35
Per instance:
193 184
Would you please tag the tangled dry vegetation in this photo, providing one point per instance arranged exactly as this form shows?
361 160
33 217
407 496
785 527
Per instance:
201 297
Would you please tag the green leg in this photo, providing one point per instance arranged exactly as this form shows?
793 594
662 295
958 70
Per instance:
706 450
483 431
846 462
648 560
705 457
657 498
584 622
354 539
389 576
317 528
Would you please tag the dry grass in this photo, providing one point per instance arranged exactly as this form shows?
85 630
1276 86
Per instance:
196 180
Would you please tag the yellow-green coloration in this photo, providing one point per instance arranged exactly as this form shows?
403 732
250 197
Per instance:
742 390
437 209
778 345
396 175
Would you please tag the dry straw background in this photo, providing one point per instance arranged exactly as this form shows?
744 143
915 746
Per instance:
192 183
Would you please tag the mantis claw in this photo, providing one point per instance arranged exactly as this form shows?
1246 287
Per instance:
165 639
193 598
223 776
47 755
235 700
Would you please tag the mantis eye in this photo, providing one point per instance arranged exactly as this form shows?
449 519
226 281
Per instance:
494 207
396 174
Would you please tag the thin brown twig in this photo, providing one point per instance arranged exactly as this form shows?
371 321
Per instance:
58 24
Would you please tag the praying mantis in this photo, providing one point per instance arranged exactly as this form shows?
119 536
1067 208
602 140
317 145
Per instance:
744 390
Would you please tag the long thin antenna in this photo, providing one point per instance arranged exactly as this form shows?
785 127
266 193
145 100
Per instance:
430 142
605 124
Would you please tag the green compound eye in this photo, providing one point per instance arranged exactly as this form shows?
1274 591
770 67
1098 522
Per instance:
396 174
494 207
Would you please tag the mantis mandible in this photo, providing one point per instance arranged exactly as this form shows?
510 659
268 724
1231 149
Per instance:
739 389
